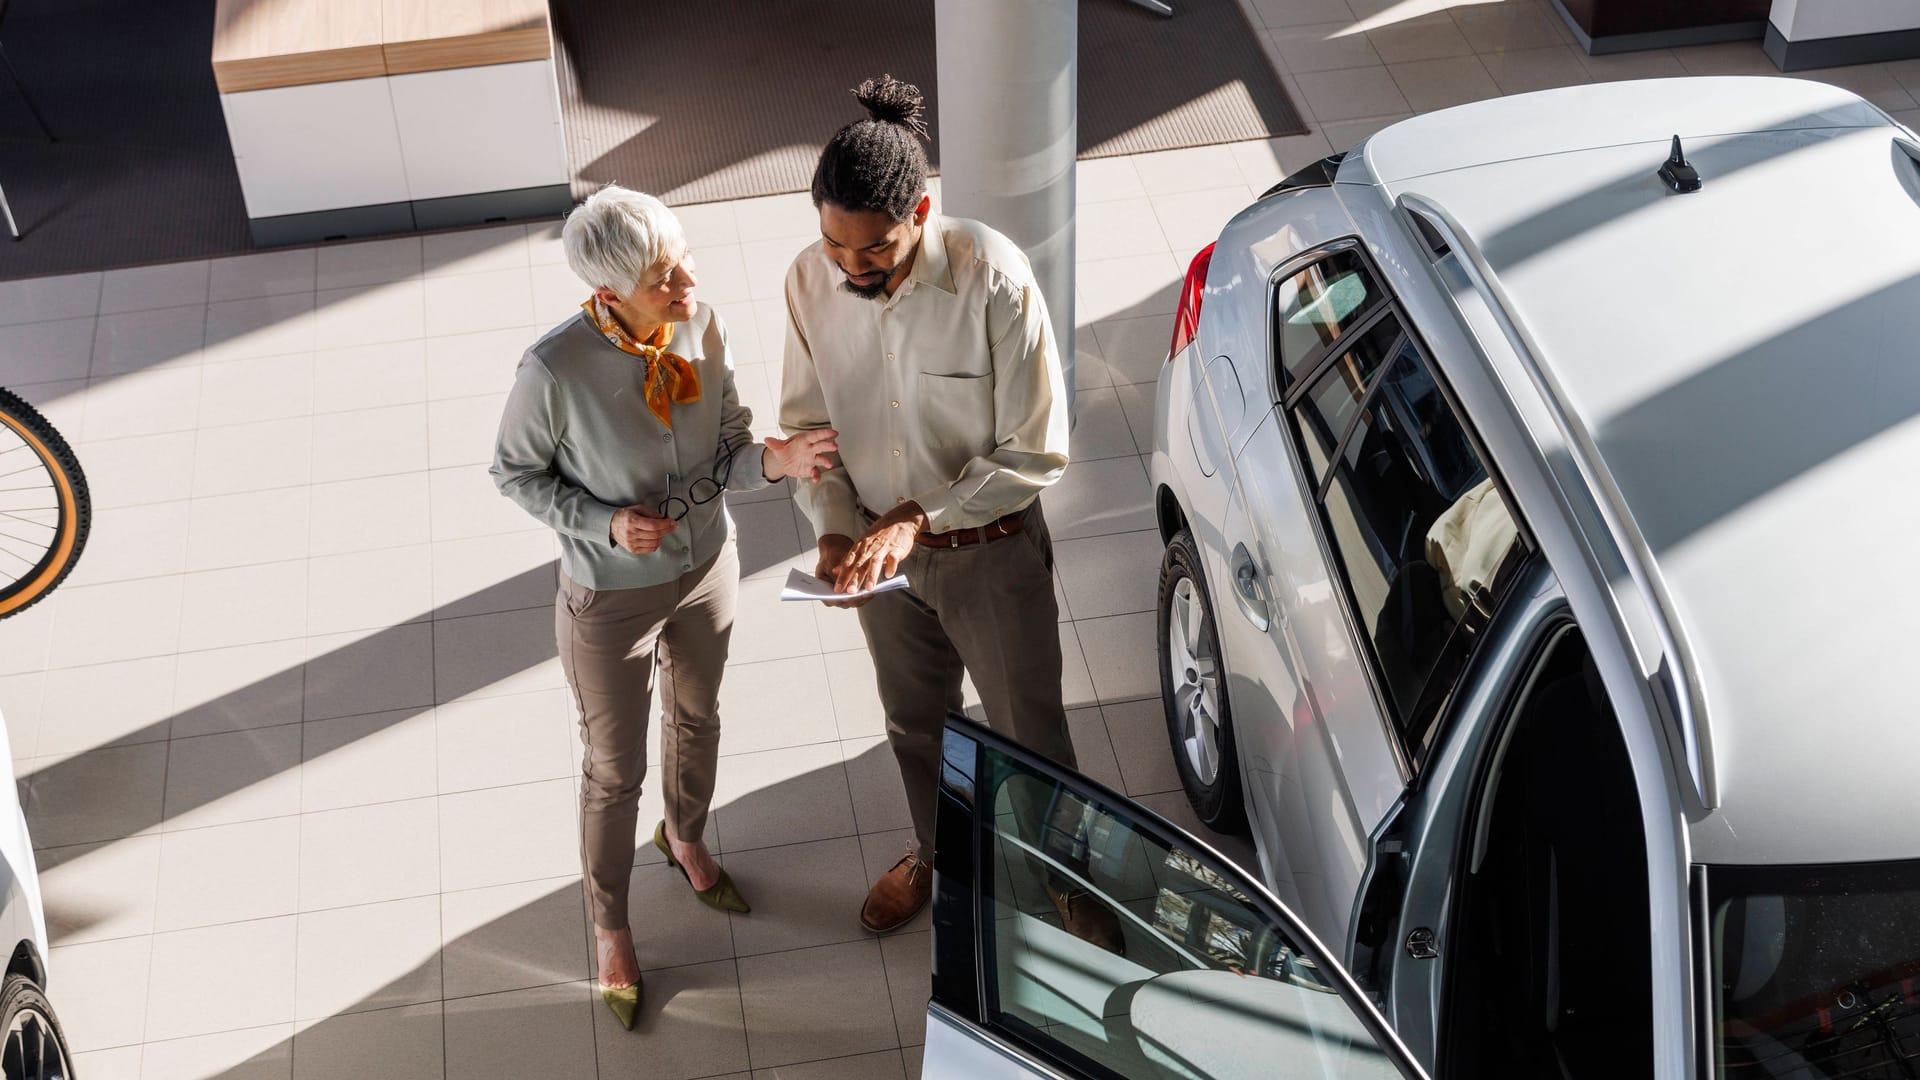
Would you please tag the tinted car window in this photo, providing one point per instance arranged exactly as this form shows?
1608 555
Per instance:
1330 405
1316 306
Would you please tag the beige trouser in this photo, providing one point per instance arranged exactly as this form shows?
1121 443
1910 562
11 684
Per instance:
609 641
987 609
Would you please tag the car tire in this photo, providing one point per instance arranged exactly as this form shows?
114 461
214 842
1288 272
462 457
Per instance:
1193 691
36 1047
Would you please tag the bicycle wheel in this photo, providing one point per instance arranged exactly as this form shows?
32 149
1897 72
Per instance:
44 509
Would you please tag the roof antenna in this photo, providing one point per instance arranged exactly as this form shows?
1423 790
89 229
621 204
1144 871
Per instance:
1679 175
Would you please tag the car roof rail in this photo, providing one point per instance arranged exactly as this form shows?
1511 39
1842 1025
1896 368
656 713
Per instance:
1318 174
1676 689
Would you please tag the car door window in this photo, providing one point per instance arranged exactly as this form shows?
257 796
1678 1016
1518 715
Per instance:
1114 949
1314 307
1419 533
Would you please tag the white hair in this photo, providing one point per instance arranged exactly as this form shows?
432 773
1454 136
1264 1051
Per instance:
618 236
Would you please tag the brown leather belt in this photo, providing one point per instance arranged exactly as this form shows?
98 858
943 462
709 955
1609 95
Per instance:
999 529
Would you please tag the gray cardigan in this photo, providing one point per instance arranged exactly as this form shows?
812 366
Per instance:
577 442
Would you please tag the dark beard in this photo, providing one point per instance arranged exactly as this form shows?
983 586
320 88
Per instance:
868 292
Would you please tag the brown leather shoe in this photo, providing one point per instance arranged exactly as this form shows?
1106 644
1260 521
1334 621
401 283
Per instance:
898 896
1088 919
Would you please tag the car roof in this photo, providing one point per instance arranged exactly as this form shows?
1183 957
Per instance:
1741 367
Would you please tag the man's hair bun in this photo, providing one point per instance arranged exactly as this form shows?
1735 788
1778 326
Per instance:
891 101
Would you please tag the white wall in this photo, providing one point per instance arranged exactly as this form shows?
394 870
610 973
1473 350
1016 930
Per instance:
1801 20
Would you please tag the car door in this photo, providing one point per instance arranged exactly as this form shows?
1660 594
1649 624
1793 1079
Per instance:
1078 935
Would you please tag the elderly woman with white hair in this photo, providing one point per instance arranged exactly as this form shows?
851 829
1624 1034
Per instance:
622 431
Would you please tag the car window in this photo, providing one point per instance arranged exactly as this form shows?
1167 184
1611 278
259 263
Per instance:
1314 307
1123 955
1421 536
1332 402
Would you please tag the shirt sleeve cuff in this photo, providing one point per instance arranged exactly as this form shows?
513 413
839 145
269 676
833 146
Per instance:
598 523
749 469
941 507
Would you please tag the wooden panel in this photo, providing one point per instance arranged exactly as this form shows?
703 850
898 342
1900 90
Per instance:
434 35
258 44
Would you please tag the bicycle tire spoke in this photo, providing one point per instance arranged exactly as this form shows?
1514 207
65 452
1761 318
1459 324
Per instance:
28 520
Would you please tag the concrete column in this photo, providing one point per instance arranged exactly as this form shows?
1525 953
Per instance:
1009 130
1804 34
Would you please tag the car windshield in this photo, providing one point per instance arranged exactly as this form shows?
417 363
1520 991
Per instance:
1816 971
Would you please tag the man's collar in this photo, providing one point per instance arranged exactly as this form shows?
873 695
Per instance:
930 265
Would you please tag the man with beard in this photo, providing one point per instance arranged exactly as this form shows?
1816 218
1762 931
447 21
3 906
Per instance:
924 341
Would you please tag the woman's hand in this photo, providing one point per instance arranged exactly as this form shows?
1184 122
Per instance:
640 530
804 455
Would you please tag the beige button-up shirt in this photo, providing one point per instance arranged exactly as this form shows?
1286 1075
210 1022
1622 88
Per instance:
949 393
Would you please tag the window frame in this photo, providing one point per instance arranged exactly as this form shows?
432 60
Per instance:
1287 394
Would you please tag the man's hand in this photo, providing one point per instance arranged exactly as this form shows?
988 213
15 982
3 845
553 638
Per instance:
804 455
879 553
833 554
640 530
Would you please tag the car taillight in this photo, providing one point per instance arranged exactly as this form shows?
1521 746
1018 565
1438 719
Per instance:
1186 318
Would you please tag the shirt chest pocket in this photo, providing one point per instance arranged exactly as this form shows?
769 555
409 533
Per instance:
956 411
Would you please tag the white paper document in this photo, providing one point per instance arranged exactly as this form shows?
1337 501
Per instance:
803 586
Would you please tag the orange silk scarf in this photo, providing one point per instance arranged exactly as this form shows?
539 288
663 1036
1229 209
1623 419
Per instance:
670 379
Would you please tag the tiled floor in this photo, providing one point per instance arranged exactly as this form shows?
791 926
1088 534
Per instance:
292 740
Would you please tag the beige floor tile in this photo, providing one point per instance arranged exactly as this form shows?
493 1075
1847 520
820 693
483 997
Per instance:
106 705
496 742
1647 64
512 937
26 639
545 1032
460 431
126 620
1100 498
1134 349
768 539
466 364
1117 229
1726 58
1875 82
221 978
1136 400
135 472
1495 28
365 515
1526 70
765 628
232 777
253 457
1139 733
46 351
495 655
885 1065
767 262
1266 163
778 217
1197 168
817 1003
149 402
911 1057
355 674
366 314
474 251
1101 429
369 590
261 1053
1106 180
369 442
464 503
375 956
1345 135
369 376
775 704
268 273
1440 84
504 835
244 606
856 700
1423 37
1322 47
1133 286
394 1044
102 991
148 340
100 795
1120 653
703 223
489 300
803 895
260 326
689 1026
1352 93
238 689
1093 749
370 262
879 852
873 779
1298 12
671 927
228 873
100 892
490 574
120 1063
362 760
31 300
783 797
61 402
557 296
21 699
225 531
839 627
1076 679
255 389
369 854
1906 72
909 961
1111 575
722 272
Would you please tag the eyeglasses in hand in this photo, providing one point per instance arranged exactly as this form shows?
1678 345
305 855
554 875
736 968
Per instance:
704 489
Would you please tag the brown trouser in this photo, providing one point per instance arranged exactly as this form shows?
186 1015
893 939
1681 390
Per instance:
609 641
987 609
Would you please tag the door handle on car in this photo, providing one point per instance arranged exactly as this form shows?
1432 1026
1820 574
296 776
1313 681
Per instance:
1247 591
